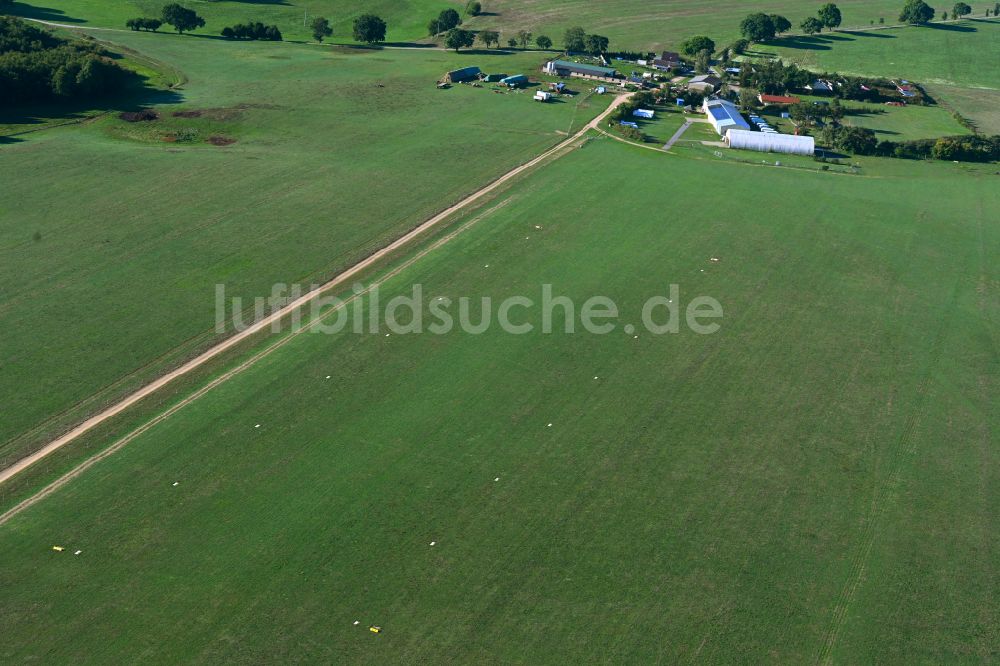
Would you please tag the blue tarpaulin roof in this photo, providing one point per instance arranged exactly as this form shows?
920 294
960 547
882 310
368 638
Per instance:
515 80
464 74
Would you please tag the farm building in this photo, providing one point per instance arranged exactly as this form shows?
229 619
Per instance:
667 61
648 114
567 68
770 142
777 100
724 115
515 81
705 83
464 74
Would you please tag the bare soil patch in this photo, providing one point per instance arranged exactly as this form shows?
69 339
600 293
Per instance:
139 116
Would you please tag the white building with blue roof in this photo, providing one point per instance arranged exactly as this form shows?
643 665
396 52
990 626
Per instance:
724 115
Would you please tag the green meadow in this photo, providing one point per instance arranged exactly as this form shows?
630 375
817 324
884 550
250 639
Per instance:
658 25
113 234
954 61
629 24
889 122
406 19
815 481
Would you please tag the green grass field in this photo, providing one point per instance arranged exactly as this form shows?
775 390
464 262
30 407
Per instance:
892 123
406 19
954 61
636 25
817 479
113 234
629 24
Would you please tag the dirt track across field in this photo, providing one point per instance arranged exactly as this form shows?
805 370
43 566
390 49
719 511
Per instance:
229 343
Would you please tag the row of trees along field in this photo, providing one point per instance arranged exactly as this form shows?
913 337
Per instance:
368 28
38 66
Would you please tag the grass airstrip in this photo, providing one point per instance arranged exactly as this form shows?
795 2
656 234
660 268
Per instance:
786 489
116 233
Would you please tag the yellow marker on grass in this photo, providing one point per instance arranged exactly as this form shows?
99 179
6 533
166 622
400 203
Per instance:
374 629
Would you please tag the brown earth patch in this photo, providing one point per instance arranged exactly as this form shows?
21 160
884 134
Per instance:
139 116
187 114
221 140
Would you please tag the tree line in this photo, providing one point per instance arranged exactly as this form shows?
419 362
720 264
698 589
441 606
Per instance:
253 31
368 28
35 65
862 141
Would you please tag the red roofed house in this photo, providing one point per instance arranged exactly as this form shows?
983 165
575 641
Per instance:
777 99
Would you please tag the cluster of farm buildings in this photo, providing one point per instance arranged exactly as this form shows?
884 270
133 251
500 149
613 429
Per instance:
723 115
737 130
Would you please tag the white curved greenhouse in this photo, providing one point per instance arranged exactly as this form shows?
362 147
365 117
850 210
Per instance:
771 143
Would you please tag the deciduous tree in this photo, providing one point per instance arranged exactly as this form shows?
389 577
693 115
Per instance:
916 12
369 28
696 44
596 44
829 15
321 28
574 39
182 18
446 20
811 25
488 37
757 27
781 24
457 38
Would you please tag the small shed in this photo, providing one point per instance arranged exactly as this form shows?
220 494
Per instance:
648 114
542 96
